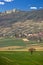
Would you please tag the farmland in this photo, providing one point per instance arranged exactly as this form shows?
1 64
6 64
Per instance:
12 44
15 52
21 58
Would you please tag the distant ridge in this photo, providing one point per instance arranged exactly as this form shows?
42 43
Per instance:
32 14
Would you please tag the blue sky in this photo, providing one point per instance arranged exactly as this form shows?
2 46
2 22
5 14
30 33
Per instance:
20 4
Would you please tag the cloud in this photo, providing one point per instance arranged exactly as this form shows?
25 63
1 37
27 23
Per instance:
8 0
33 7
2 3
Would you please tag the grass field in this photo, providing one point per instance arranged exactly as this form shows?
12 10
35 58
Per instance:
21 58
5 42
11 42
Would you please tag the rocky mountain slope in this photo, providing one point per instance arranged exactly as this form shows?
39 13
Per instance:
17 21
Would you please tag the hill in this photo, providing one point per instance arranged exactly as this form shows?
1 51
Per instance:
15 21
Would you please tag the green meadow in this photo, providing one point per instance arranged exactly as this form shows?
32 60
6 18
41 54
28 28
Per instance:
21 58
5 42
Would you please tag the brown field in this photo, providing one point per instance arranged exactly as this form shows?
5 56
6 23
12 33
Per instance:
20 48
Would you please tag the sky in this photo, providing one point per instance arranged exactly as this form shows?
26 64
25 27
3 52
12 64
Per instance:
20 4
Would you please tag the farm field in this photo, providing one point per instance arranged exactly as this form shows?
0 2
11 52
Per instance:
4 42
15 52
12 44
21 58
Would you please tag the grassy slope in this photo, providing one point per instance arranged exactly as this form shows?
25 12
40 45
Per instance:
21 58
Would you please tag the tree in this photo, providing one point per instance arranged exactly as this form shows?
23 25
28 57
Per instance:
32 50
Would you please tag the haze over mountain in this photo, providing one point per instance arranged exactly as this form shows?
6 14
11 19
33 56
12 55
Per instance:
17 21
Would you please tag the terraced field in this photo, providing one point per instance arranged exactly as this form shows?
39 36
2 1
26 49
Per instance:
21 58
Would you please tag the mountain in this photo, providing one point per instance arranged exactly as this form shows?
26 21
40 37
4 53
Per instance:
17 21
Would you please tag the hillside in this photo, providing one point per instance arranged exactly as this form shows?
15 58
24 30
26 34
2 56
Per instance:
21 22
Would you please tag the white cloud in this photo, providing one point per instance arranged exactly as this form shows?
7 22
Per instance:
8 0
2 3
33 7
